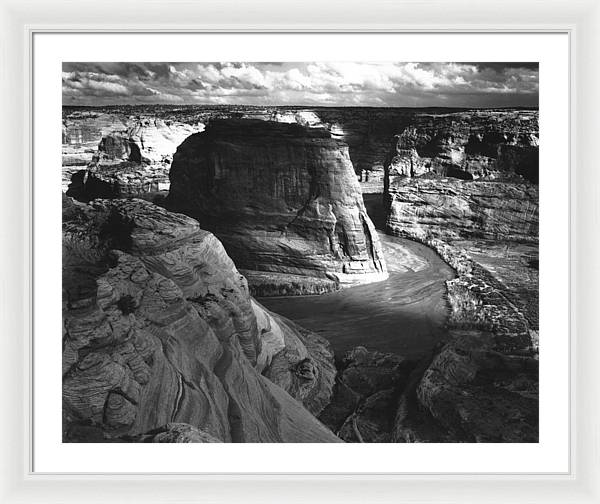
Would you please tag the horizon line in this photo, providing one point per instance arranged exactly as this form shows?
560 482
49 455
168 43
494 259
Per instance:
300 106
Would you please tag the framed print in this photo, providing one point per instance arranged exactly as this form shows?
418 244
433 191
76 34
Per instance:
293 257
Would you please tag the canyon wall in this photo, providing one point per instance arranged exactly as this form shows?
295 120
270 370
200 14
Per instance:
159 330
366 130
131 159
483 384
452 209
285 202
466 186
468 145
465 176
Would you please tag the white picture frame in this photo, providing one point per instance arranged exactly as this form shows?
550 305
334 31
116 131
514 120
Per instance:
21 21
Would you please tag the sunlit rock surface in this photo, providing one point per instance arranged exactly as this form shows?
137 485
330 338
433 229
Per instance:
285 202
452 209
132 159
159 328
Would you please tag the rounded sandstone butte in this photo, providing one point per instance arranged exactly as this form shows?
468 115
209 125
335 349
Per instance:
285 202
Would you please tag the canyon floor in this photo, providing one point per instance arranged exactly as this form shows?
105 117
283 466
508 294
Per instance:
405 314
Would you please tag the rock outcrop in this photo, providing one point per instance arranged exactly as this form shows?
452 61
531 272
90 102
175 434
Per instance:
149 141
452 209
481 395
468 145
366 395
467 175
285 202
130 162
159 328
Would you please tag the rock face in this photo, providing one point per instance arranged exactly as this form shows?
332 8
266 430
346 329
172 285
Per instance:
149 141
159 328
468 145
131 162
285 202
447 139
466 186
481 395
452 209
365 396
468 175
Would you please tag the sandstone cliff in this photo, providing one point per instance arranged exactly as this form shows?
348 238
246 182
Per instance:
285 202
159 328
468 145
452 209
468 175
447 139
467 188
133 161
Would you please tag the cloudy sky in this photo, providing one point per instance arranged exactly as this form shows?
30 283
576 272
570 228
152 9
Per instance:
319 83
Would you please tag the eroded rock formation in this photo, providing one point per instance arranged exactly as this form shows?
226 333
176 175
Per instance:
452 209
159 328
131 162
468 145
366 395
468 175
482 385
285 202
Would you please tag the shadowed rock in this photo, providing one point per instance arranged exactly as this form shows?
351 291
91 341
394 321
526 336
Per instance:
467 145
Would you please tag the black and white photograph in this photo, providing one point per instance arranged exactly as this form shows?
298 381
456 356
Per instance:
300 252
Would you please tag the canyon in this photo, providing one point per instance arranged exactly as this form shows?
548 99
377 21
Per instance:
293 274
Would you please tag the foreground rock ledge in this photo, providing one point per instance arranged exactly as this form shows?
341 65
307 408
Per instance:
285 202
159 329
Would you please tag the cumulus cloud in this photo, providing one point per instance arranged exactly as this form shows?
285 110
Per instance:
389 84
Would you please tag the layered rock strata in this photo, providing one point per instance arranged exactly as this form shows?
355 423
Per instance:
468 145
130 162
468 175
461 191
159 329
476 142
285 202
451 209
